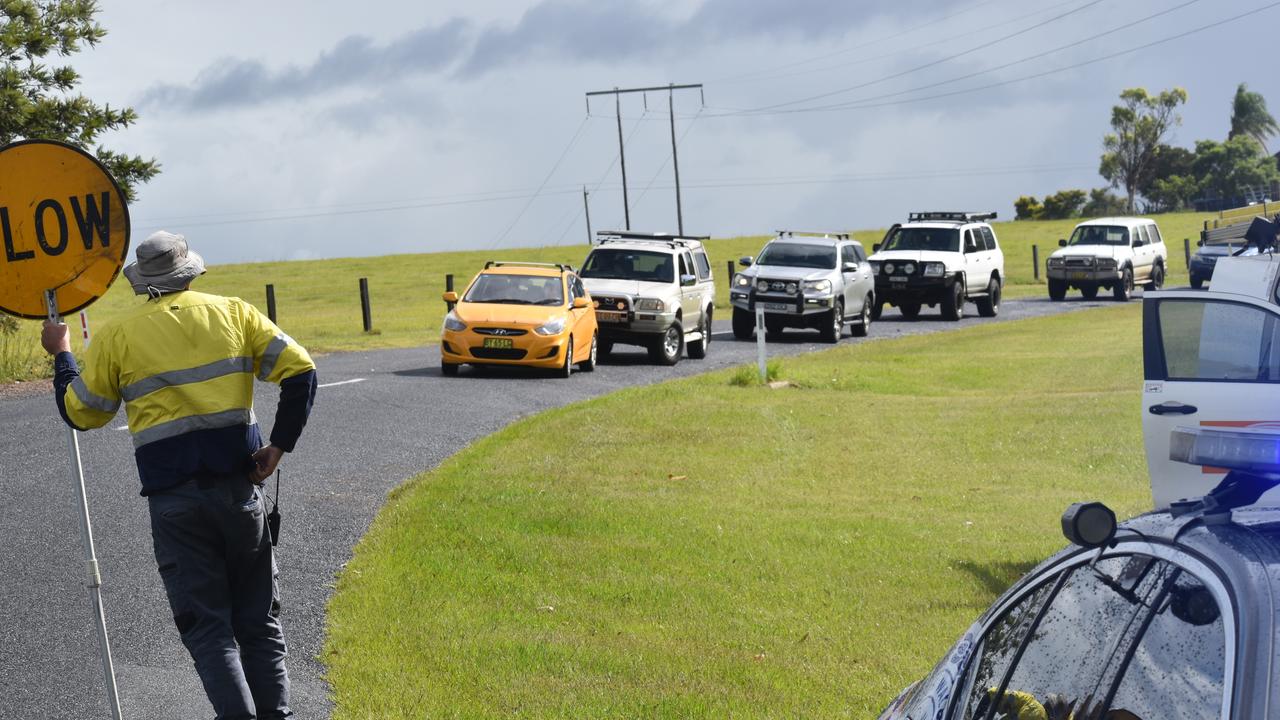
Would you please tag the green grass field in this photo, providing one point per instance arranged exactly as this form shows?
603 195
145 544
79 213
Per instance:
318 301
703 549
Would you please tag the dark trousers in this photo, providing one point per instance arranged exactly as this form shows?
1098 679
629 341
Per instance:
215 557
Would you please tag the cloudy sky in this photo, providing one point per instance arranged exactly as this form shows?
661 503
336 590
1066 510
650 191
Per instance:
304 129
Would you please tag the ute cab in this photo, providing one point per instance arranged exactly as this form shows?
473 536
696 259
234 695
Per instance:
1211 367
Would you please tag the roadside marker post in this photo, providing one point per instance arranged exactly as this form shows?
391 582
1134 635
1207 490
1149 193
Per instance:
84 328
271 302
1186 251
1035 260
366 313
761 358
64 225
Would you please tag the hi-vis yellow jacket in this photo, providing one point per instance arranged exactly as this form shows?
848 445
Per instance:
182 363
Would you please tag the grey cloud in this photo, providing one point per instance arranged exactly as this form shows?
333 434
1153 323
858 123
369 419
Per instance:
354 61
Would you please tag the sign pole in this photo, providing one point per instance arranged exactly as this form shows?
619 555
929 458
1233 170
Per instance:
761 359
94 579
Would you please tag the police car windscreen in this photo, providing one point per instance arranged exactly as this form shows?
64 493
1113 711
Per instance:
822 257
918 238
619 264
1100 235
503 289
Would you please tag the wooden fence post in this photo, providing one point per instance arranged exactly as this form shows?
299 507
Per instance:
365 310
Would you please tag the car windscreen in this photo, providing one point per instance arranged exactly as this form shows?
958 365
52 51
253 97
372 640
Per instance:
505 289
822 257
1099 235
619 264
922 238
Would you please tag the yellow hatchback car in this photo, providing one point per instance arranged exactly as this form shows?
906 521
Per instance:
530 314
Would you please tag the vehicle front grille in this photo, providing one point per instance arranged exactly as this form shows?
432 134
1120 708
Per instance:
502 332
610 302
1078 262
485 353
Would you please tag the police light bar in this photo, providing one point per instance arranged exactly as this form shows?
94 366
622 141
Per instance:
1250 451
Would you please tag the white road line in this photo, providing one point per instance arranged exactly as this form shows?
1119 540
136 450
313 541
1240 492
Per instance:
343 382
123 427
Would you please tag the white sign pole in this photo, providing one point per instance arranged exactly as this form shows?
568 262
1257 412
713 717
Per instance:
760 345
91 559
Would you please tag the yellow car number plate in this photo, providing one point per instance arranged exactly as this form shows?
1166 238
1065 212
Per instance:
610 316
499 343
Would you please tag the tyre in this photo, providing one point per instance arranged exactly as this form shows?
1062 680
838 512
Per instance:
667 349
744 324
1088 292
953 303
698 348
566 370
589 364
1197 282
861 329
877 309
834 327
449 369
910 310
1057 289
1122 290
989 306
1157 277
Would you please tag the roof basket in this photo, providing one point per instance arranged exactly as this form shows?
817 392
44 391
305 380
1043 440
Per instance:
948 216
813 233
604 236
514 263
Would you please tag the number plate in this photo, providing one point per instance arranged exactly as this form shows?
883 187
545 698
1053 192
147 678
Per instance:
778 307
609 316
897 280
1078 275
499 343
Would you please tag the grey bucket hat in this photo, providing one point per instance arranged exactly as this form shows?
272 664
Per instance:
164 262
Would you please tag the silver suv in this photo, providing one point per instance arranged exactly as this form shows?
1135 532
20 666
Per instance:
805 280
651 290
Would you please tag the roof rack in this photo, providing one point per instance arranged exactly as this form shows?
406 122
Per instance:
813 233
949 216
603 236
513 263
1234 225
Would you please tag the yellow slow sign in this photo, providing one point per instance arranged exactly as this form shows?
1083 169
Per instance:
64 226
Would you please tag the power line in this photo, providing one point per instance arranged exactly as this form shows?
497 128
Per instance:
572 141
663 166
605 175
933 63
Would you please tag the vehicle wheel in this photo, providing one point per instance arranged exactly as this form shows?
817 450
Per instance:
567 369
834 326
910 310
589 364
744 324
989 306
1157 277
449 369
668 349
604 348
860 330
698 348
1088 292
877 309
1057 289
1197 282
953 303
1123 289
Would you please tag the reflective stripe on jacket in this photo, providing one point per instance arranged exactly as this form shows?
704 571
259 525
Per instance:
181 363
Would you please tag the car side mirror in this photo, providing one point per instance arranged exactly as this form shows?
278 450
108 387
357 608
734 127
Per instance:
1200 242
579 303
851 267
875 248
450 297
970 248
687 280
1062 242
1138 243
746 260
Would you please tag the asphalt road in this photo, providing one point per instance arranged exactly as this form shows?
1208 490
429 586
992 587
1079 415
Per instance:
380 418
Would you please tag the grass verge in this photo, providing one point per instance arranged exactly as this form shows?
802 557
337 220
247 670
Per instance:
700 549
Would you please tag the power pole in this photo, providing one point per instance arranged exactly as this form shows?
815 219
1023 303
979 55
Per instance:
617 94
586 208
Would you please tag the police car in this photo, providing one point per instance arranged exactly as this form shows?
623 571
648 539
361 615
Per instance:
1175 613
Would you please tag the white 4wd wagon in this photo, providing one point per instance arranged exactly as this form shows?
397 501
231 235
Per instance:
1111 253
939 258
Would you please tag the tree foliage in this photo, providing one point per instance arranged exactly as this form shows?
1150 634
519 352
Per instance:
38 98
1249 117
1103 202
1062 204
1226 169
1139 125
1027 207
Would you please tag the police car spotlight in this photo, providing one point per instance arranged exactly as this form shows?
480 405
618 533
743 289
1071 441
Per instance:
1089 524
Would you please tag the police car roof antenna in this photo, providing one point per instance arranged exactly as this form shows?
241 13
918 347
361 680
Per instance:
94 580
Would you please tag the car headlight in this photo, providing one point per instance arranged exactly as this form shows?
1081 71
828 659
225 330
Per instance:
551 327
1055 262
909 268
762 286
453 324
1106 264
934 269
650 305
741 280
792 288
888 268
817 286
875 267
